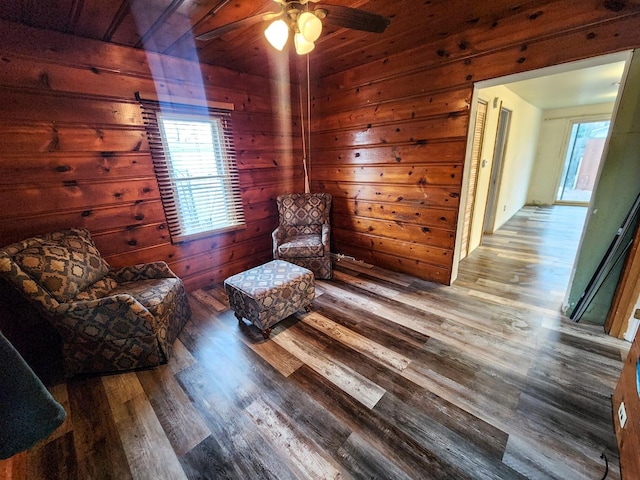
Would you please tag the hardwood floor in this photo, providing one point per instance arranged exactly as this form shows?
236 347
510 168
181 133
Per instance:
388 377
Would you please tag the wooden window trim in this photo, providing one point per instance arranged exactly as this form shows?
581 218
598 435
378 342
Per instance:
178 220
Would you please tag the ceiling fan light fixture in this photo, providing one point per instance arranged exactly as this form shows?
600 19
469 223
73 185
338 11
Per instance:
302 45
309 26
277 34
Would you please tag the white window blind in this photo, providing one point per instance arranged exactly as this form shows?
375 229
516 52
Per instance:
194 161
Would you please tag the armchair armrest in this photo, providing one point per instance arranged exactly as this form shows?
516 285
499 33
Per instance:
326 235
278 238
144 271
111 318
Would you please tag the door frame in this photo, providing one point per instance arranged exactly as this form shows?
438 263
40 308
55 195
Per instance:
565 67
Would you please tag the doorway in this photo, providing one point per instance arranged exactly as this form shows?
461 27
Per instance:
580 92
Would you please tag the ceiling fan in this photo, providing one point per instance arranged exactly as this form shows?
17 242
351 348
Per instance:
305 23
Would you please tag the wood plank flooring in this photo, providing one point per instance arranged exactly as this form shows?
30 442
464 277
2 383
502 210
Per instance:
388 377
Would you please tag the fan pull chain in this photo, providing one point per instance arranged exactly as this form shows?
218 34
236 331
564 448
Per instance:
307 189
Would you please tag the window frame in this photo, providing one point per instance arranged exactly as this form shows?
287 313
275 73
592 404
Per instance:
224 185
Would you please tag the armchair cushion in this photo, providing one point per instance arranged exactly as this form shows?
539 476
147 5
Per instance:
302 210
311 229
302 246
99 289
150 292
64 265
108 318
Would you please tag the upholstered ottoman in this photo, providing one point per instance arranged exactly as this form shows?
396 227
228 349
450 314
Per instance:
270 293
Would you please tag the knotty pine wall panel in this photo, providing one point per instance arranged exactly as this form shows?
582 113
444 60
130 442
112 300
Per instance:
403 194
29 137
403 231
193 250
442 151
441 217
411 110
74 152
51 167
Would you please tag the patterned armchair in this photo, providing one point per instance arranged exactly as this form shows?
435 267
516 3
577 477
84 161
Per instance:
304 232
109 320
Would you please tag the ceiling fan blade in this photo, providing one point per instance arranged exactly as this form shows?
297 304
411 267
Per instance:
242 23
354 18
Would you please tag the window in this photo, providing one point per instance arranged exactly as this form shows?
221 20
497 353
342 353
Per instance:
194 161
582 161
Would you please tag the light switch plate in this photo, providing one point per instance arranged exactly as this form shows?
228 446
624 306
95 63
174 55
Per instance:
622 415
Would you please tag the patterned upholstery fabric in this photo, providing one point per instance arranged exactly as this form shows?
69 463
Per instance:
64 265
296 230
118 320
303 209
270 293
304 231
98 290
302 246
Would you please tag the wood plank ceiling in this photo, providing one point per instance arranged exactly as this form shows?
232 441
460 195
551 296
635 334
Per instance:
169 27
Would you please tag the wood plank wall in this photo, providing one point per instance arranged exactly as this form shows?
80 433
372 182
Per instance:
73 150
389 138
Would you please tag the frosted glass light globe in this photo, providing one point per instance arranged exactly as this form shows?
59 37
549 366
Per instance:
277 34
310 26
302 45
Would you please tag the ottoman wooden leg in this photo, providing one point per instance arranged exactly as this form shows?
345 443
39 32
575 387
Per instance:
266 333
307 308
239 317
